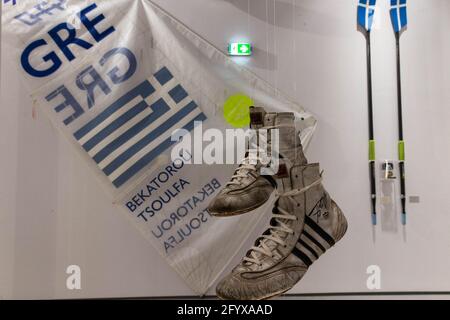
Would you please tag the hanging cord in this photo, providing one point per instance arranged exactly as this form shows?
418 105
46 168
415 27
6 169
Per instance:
253 91
267 39
294 6
275 49
248 19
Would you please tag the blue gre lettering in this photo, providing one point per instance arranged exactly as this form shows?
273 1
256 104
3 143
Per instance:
64 35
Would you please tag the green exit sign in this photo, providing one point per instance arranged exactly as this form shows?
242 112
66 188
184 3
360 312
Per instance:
240 49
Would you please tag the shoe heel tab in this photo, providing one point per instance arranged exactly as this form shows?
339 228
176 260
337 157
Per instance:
282 171
342 224
257 115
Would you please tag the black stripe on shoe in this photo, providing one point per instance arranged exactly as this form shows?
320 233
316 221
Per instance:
307 247
302 256
317 243
325 236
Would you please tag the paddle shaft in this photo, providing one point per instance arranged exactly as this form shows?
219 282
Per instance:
371 131
401 146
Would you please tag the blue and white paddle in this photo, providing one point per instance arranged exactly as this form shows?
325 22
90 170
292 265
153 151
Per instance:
399 20
366 11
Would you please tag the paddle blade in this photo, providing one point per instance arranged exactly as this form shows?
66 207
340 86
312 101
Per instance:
398 15
366 11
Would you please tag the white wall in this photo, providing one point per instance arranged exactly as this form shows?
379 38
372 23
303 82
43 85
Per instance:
310 49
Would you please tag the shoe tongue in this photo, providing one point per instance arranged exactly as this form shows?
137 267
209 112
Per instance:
241 180
269 243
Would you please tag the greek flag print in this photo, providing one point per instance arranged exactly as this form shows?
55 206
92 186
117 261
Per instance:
398 14
366 11
134 130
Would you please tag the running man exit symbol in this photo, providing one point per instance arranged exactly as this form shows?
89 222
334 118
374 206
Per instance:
239 49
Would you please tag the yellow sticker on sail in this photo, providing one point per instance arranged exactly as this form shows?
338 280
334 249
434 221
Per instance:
236 110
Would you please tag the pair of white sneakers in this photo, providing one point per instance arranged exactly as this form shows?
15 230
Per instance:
305 221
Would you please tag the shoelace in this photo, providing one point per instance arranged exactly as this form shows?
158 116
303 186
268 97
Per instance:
242 172
246 166
280 230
